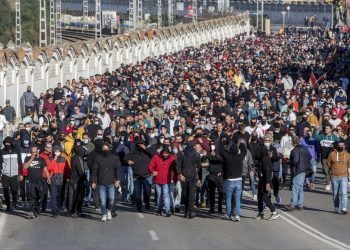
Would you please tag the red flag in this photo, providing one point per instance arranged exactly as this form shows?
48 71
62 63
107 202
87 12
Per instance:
312 79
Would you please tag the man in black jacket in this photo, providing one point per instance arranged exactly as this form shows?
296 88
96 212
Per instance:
215 177
139 160
189 169
105 174
265 154
300 162
233 156
77 181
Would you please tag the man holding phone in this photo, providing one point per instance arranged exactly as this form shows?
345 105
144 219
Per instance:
35 165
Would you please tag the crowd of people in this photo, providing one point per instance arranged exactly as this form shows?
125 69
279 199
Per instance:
195 126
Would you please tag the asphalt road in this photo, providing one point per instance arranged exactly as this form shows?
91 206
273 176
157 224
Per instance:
317 227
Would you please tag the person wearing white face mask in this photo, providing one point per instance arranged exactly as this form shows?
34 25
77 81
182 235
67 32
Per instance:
265 155
57 167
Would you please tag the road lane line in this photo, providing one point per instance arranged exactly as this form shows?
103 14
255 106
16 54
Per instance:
337 246
141 216
153 235
315 231
317 234
3 218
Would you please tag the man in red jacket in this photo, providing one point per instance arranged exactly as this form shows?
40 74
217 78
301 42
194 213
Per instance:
163 169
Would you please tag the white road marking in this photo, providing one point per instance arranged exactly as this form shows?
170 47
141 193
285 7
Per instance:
140 215
308 229
153 235
3 218
314 232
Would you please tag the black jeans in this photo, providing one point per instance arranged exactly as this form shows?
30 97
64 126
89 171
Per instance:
215 183
284 170
10 185
35 193
263 196
78 195
55 192
22 186
189 194
275 183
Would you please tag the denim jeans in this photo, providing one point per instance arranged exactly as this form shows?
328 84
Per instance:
142 184
106 192
163 196
55 192
1 137
340 188
314 167
233 188
298 190
87 186
126 182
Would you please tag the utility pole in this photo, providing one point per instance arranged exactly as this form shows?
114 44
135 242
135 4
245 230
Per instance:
58 22
194 8
132 14
52 23
18 24
42 24
170 12
98 29
85 14
159 14
139 14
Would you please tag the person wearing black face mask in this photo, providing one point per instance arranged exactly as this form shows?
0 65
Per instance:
77 182
105 174
10 167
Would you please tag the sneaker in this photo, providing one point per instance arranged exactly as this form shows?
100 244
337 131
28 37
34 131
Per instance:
177 210
30 215
327 187
344 211
228 217
168 214
203 205
278 200
104 218
290 208
109 215
237 219
274 216
260 216
300 208
336 210
211 212
255 197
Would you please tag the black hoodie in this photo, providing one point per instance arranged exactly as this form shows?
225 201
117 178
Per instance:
189 164
233 157
141 159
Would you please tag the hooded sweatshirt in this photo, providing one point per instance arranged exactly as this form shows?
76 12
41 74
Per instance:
11 164
233 156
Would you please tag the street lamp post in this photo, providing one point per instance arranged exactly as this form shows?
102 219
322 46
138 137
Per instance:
262 15
257 15
288 9
283 14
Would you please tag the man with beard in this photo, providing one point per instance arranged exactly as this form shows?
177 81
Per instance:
105 174
36 166
189 168
139 160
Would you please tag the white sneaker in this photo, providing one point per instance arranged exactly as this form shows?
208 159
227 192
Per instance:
104 218
328 187
228 217
237 219
255 198
109 215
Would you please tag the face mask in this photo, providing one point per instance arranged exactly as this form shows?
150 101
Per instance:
85 141
263 122
161 140
28 90
74 133
152 136
54 129
188 131
7 145
57 153
105 152
212 147
102 113
28 129
267 144
71 122
340 149
241 118
137 138
175 150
